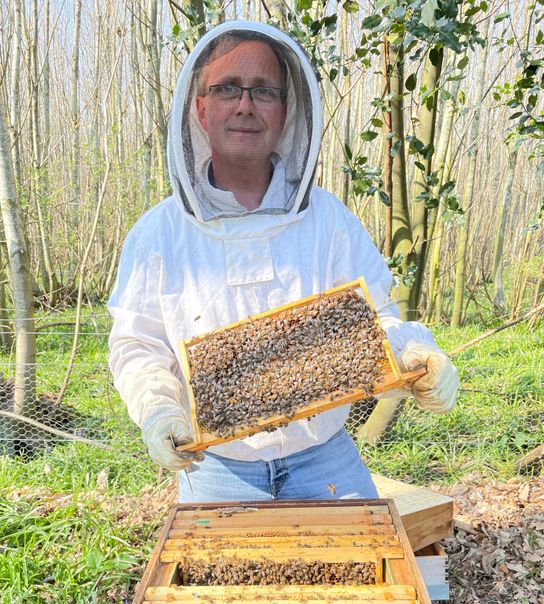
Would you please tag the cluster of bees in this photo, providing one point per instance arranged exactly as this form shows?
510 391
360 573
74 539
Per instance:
279 364
267 572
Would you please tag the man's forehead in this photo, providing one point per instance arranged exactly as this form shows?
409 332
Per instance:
245 55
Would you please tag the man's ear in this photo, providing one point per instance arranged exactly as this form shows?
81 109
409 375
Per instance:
201 111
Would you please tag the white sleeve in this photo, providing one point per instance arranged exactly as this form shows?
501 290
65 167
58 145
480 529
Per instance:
145 369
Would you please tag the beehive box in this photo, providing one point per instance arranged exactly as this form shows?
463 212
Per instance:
312 551
287 364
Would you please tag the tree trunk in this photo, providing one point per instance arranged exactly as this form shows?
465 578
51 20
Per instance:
76 148
347 107
39 151
436 226
420 214
18 257
401 230
461 256
498 248
158 107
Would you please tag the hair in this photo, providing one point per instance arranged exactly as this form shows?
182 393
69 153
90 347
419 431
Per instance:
229 41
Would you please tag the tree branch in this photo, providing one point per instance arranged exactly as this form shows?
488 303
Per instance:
68 435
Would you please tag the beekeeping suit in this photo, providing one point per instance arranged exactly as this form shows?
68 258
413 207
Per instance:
200 260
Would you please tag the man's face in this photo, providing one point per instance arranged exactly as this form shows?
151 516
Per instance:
242 130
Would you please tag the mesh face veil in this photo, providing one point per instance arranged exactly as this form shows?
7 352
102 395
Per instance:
292 146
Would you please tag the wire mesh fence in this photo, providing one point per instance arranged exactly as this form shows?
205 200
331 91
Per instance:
498 419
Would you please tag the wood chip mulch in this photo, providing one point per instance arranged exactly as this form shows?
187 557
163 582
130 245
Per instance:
497 552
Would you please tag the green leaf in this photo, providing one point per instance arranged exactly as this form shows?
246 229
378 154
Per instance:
350 6
347 151
384 198
371 22
395 148
435 55
431 203
419 165
369 135
472 11
429 102
376 122
332 74
501 17
462 63
176 29
539 37
427 13
447 187
411 82
303 5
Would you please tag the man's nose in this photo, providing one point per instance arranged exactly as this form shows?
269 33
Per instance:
245 103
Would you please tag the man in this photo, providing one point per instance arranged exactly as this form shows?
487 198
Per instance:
243 232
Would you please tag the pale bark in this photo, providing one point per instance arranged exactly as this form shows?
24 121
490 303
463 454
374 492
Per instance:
75 187
158 107
15 77
420 215
40 152
19 261
347 108
436 227
498 248
401 230
461 256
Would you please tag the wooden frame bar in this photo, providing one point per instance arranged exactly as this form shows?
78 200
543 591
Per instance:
393 379
350 535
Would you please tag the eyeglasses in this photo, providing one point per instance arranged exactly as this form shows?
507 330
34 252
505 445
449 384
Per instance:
257 94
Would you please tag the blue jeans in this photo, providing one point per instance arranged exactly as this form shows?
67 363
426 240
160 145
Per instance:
332 470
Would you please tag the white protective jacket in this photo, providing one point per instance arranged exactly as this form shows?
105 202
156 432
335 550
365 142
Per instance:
199 260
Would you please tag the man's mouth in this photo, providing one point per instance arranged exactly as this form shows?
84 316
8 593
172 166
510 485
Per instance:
245 130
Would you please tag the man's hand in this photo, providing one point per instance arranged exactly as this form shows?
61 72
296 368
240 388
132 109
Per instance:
163 437
437 390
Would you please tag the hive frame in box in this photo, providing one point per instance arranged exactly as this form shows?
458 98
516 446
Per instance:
347 530
202 440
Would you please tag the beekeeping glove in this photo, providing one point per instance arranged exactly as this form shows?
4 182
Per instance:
437 389
163 436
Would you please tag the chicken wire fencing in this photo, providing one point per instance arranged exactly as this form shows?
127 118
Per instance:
498 420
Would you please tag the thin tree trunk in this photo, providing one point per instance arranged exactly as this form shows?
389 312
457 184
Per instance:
461 256
347 107
39 148
401 230
18 256
158 107
387 159
76 147
420 214
15 78
498 248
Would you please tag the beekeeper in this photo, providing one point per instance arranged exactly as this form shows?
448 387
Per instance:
244 231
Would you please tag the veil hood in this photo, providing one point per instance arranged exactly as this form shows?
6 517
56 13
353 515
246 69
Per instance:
295 155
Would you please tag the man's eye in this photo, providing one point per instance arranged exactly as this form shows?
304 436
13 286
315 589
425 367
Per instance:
265 92
227 89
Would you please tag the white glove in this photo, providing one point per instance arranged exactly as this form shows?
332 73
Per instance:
437 389
163 436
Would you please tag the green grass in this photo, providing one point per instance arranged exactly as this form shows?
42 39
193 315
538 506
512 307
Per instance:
499 415
62 538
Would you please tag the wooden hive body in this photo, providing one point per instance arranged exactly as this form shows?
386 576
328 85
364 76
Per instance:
349 531
392 377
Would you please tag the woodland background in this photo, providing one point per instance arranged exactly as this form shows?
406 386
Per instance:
433 136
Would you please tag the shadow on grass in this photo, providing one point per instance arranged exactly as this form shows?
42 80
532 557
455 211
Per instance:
22 439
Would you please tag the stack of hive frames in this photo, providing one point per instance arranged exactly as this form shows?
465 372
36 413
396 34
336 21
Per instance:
343 533
329 345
